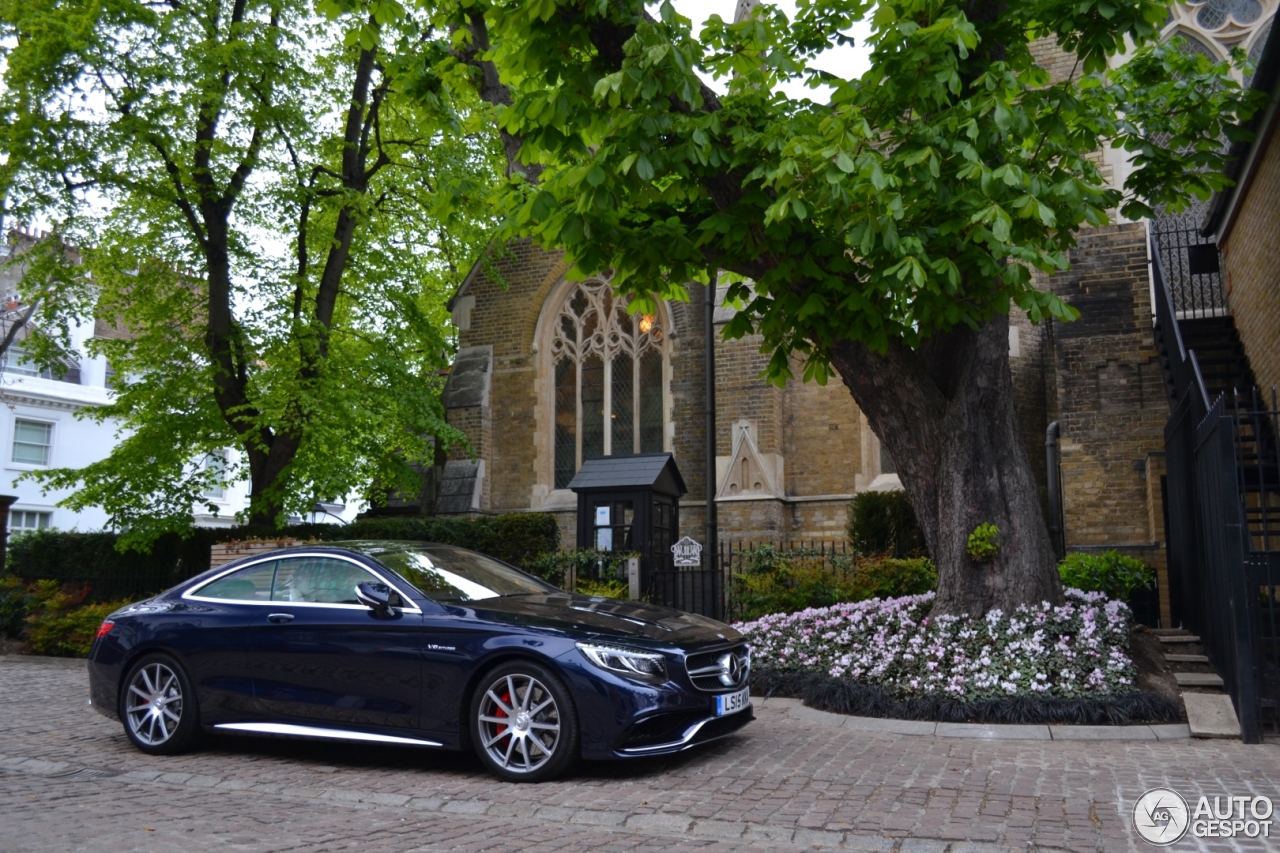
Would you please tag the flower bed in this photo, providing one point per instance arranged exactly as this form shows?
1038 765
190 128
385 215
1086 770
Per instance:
888 657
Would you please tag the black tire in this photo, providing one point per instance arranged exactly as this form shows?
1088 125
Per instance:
543 742
158 706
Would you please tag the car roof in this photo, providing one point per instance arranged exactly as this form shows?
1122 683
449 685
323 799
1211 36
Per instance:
369 547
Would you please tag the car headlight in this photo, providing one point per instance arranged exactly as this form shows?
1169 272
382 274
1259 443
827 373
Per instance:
648 666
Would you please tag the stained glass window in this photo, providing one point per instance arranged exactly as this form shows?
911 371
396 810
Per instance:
608 369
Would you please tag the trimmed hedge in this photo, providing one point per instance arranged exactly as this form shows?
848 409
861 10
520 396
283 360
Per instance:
92 558
770 580
842 696
885 522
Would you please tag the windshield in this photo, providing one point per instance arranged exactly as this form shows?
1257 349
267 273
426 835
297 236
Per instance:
447 574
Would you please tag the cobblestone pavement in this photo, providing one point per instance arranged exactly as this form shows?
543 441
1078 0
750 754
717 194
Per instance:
70 781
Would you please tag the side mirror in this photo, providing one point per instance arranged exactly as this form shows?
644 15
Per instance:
378 596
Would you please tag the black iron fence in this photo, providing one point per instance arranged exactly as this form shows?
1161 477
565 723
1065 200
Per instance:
1223 504
708 589
1191 267
693 589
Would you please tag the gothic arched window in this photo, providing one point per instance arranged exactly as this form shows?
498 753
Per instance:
608 369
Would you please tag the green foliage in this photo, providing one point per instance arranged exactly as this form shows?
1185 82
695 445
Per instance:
1109 572
13 605
921 197
884 522
273 206
603 589
983 544
515 537
59 623
887 577
95 559
775 581
54 293
595 572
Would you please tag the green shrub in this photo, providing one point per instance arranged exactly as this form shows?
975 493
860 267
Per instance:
1109 572
515 537
93 559
775 581
890 577
604 589
13 606
601 573
983 544
884 522
59 623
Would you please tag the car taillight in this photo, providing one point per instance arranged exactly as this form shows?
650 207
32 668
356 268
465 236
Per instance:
104 629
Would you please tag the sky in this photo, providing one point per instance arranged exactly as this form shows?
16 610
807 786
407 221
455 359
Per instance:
844 61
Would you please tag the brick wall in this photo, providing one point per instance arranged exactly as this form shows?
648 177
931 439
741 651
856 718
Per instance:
225 552
824 440
1105 379
1252 258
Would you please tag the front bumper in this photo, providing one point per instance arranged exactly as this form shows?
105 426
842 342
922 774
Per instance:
659 736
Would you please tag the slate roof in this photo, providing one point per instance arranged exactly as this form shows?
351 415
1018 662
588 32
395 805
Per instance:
655 471
459 486
468 382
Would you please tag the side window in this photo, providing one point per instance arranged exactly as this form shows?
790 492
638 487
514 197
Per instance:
251 584
322 580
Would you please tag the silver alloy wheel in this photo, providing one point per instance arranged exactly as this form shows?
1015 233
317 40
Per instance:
519 723
153 707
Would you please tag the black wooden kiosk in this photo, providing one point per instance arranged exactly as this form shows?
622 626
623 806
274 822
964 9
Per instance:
631 503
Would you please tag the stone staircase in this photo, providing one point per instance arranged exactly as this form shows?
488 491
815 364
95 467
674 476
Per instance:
1210 713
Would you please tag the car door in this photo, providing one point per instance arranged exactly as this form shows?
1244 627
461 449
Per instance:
319 655
212 635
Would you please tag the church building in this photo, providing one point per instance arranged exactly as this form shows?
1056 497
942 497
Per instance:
552 372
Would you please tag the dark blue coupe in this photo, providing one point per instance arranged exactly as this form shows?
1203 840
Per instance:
421 645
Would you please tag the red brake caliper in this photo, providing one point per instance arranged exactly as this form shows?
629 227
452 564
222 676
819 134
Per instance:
498 712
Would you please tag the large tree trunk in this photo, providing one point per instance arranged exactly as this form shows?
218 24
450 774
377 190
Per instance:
945 413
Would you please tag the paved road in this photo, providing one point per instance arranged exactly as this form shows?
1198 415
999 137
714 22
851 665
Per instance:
70 781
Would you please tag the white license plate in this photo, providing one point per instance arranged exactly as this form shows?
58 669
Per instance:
732 703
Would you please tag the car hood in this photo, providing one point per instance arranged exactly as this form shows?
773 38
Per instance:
606 617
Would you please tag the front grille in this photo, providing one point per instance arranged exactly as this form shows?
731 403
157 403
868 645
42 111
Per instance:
721 670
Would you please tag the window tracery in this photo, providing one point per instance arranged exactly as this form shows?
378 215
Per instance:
608 378
1222 25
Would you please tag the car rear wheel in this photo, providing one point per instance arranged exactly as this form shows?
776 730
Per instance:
523 723
158 706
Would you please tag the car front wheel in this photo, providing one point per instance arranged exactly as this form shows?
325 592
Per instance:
523 723
158 706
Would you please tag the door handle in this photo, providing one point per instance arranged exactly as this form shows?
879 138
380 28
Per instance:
280 618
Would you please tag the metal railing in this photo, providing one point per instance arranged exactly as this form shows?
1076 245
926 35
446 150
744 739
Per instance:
708 589
1191 265
1221 509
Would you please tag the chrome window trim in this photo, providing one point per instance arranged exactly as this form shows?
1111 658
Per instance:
192 594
